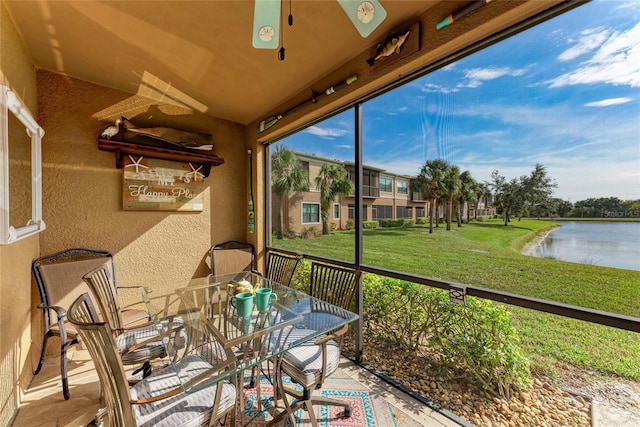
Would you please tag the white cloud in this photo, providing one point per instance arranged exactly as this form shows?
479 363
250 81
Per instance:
591 39
608 102
476 76
616 60
432 87
326 133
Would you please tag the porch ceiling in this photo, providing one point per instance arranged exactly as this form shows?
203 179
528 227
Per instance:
197 52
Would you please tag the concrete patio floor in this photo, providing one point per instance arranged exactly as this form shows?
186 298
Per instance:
43 404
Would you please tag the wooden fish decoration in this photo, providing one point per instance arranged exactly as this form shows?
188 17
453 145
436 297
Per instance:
126 131
391 45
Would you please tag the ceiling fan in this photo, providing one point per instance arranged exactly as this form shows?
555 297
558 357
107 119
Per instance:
366 15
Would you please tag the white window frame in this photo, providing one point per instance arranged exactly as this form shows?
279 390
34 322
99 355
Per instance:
405 187
302 213
390 184
334 211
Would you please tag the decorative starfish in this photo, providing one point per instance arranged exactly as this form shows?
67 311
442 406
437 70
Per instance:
194 173
136 164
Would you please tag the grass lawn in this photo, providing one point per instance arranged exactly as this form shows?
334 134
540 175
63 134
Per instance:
487 255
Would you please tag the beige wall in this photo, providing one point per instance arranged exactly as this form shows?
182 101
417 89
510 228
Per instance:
82 201
16 300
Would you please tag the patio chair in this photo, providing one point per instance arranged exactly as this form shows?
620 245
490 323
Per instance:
137 345
158 400
232 256
309 364
59 280
281 267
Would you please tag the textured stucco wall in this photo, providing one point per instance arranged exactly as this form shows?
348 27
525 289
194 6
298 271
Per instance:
16 294
82 200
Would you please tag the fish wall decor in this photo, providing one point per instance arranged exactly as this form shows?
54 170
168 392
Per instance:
392 44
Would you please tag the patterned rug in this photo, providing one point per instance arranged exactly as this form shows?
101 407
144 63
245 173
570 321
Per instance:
368 408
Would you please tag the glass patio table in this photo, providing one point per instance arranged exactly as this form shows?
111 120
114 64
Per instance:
201 320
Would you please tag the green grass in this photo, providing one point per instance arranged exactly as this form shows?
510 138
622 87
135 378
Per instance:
487 255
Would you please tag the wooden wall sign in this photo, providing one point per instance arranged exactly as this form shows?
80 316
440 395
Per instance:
161 185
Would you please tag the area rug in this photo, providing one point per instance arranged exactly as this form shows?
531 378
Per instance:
368 408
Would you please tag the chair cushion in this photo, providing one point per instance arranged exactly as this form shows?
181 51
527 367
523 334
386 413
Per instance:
183 409
304 362
151 350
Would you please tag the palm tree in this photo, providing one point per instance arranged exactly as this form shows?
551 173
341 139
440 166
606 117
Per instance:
450 186
332 181
466 194
287 175
428 183
481 190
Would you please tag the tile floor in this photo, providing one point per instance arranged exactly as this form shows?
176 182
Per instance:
44 405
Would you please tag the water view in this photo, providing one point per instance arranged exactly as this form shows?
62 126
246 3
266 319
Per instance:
606 244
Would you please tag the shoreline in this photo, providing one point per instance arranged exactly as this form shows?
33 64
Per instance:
528 248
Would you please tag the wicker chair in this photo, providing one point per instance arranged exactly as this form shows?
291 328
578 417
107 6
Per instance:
59 280
281 267
231 257
157 400
309 364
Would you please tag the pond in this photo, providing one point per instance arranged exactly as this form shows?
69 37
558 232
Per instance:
607 244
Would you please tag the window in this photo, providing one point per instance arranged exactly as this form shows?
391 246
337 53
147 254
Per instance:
311 213
566 85
403 187
404 212
336 211
382 212
352 212
557 86
386 184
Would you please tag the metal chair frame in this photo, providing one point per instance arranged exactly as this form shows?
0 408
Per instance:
281 267
59 280
243 258
337 286
117 396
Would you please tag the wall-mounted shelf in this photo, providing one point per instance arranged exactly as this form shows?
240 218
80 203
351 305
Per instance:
121 148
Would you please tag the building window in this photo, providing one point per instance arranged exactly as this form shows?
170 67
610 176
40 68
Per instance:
403 187
404 212
352 212
420 213
336 211
311 213
382 212
386 185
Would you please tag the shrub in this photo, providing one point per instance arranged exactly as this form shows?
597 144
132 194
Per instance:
422 220
333 226
401 222
351 224
477 338
300 279
370 224
309 232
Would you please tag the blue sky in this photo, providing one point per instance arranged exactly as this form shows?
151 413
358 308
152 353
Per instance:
565 94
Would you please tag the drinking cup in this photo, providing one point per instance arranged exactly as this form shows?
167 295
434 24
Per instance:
265 298
243 303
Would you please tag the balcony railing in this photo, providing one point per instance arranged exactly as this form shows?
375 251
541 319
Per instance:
368 191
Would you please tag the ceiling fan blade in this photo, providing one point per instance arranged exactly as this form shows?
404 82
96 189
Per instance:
266 24
366 15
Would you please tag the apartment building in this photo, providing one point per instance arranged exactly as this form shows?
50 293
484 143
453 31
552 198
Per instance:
385 196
